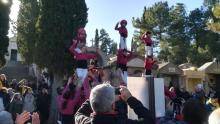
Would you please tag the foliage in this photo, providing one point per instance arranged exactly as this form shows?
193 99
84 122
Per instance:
104 42
96 39
155 19
214 22
182 37
177 32
205 42
4 26
26 31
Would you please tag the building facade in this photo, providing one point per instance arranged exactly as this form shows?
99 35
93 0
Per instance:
13 54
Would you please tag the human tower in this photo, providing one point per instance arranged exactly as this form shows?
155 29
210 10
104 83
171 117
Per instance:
78 50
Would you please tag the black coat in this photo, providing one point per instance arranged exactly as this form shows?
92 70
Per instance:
82 116
6 99
43 104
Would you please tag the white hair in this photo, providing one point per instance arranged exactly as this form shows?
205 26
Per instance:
214 117
102 98
5 118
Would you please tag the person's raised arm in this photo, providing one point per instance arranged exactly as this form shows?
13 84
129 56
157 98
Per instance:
116 26
83 113
72 47
35 118
143 36
22 118
144 115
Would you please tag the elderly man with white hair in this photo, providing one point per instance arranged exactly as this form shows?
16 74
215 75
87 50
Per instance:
214 117
100 108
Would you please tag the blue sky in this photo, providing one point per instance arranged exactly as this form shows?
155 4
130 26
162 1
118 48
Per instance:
106 13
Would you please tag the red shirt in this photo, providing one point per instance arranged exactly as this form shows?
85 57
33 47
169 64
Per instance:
80 56
123 32
147 40
84 56
148 63
122 58
71 103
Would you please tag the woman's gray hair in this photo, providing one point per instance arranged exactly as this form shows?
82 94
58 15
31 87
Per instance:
102 98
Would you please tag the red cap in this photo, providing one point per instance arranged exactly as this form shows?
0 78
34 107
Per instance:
123 22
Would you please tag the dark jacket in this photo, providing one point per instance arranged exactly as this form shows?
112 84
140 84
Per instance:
6 99
43 104
82 116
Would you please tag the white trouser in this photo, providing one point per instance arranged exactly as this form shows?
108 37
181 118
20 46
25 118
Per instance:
81 73
148 51
124 76
123 43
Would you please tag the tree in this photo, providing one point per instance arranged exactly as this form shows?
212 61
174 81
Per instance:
155 19
113 48
105 41
96 39
210 2
4 26
107 45
177 35
182 37
26 31
57 25
205 42
137 45
214 22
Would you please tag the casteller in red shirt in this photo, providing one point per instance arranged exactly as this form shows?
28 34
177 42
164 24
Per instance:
148 63
123 57
146 39
122 30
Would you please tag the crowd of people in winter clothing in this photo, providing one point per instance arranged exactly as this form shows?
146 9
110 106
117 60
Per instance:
22 102
103 104
183 107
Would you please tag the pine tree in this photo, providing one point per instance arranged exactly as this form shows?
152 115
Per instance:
96 39
105 41
4 26
107 46
155 19
113 48
178 38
